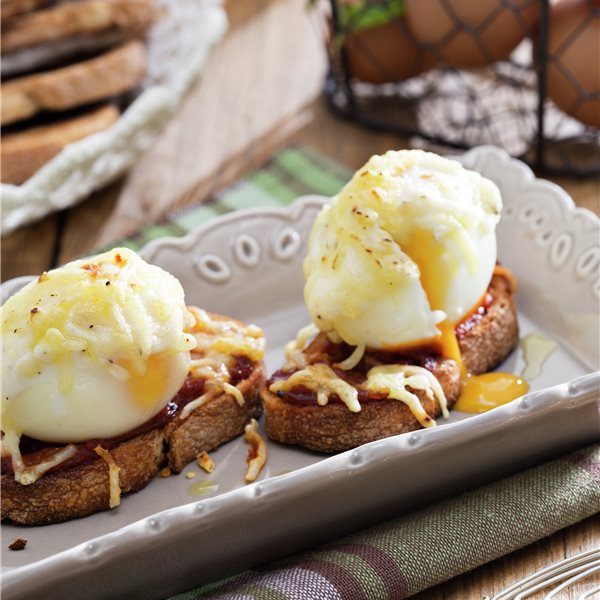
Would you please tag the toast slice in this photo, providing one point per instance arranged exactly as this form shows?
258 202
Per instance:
334 428
25 152
88 17
47 37
295 418
85 487
107 75
11 8
82 490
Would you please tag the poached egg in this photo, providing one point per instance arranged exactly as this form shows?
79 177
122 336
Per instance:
403 253
92 350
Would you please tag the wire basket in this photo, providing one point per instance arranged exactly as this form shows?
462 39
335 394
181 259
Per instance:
501 101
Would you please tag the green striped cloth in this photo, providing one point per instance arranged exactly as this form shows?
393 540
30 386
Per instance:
416 551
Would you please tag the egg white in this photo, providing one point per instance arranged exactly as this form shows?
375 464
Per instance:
93 349
408 224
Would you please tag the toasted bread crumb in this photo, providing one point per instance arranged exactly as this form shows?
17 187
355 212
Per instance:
18 544
206 462
166 472
190 475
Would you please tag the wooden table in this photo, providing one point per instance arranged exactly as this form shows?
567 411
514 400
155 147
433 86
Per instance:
261 90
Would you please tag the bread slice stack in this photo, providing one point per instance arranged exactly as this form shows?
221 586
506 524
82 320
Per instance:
66 67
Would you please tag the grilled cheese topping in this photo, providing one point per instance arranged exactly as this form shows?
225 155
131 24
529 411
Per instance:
113 476
218 342
323 380
257 454
394 381
27 475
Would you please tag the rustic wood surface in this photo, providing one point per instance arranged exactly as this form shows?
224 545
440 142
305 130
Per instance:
260 91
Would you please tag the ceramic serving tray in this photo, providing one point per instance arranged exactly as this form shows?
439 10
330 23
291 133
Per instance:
177 46
166 538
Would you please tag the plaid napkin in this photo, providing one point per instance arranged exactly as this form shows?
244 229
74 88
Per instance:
406 555
419 550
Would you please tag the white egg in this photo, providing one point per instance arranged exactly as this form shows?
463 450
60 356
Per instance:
407 245
93 349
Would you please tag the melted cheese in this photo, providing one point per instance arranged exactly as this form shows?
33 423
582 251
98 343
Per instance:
113 476
257 455
302 337
28 475
394 380
323 380
218 342
353 359
391 380
194 404
293 349
228 337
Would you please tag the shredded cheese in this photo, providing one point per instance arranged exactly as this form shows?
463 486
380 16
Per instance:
206 462
323 380
113 475
28 475
390 380
299 343
218 342
394 381
257 454
353 359
233 391
194 404
226 336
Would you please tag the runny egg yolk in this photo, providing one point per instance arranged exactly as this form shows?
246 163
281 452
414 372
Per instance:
436 267
147 388
480 393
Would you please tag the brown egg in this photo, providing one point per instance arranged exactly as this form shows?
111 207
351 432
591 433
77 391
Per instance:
471 33
573 72
385 53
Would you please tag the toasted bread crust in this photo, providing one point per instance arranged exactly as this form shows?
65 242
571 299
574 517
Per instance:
25 152
78 492
11 8
109 74
487 344
83 490
213 423
82 18
333 428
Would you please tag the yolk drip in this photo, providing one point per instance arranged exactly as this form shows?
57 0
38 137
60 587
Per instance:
480 393
147 388
437 267
449 347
